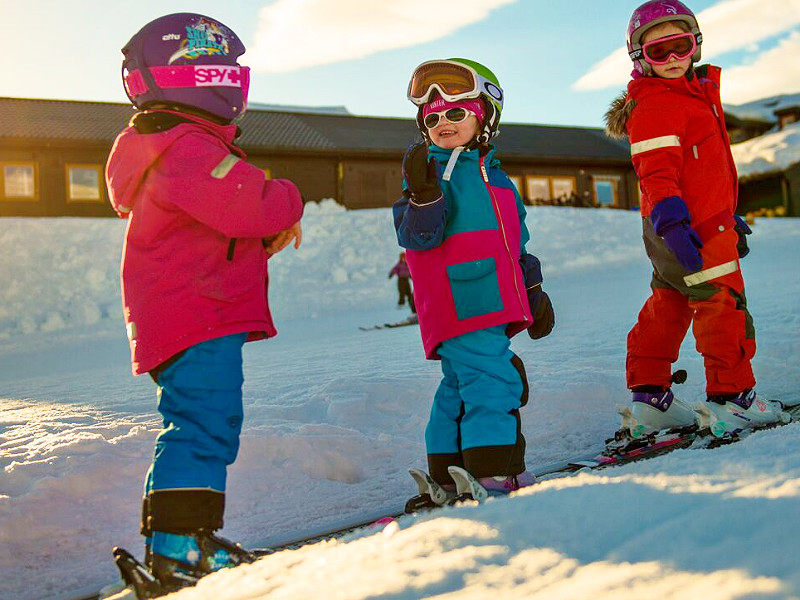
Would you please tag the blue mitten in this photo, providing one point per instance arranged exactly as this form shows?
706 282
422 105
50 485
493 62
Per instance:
743 229
671 222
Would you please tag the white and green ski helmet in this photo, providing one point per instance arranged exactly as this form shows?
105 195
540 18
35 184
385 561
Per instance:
456 79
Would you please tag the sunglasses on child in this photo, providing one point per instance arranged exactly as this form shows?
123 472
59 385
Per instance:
452 115
680 46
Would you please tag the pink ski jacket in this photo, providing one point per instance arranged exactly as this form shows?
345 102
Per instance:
194 265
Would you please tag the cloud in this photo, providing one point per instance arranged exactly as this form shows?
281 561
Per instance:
294 34
776 71
728 25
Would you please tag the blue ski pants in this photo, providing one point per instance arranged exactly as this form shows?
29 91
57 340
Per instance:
474 421
200 400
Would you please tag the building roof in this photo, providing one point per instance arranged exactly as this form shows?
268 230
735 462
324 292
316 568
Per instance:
763 109
292 131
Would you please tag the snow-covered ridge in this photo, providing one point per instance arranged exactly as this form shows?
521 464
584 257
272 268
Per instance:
63 273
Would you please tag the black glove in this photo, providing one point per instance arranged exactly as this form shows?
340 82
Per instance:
542 310
420 175
743 229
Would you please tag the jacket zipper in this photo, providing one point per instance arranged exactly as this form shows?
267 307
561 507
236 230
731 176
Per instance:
497 213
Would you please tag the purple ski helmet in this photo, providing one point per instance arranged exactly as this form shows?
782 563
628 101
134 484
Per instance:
186 59
654 13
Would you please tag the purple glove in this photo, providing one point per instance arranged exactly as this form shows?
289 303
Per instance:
671 221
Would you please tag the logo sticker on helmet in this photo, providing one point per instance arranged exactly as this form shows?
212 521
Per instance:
204 39
494 91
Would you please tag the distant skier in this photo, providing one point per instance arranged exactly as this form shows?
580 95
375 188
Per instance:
463 225
673 117
403 274
202 223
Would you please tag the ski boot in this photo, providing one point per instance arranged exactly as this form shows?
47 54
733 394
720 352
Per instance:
181 560
481 488
655 410
730 413
431 494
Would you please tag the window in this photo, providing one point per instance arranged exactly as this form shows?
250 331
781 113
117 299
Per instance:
19 181
537 189
787 119
546 189
84 183
563 187
606 189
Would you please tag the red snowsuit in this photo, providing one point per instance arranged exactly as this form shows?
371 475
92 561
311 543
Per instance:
680 147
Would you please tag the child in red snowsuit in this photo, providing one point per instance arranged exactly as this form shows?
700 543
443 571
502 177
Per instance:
680 150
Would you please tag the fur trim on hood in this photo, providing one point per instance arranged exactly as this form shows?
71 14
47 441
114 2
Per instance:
617 115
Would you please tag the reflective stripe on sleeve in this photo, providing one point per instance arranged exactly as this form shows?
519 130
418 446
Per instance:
712 273
224 167
665 141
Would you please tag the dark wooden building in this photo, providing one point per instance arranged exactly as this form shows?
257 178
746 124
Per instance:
52 154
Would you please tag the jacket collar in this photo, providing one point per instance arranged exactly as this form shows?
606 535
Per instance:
692 83
443 154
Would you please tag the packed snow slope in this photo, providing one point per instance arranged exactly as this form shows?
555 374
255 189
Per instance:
335 417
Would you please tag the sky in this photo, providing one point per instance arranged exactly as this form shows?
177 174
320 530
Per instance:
559 62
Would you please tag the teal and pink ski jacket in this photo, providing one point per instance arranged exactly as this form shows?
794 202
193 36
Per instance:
466 251
193 263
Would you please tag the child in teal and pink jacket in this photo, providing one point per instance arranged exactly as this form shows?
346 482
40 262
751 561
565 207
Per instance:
462 224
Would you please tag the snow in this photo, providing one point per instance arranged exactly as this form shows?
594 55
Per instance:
772 152
335 417
764 108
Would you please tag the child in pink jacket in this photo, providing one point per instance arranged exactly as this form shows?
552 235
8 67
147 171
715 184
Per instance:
202 223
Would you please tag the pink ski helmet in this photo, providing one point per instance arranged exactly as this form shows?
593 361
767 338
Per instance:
190 60
654 13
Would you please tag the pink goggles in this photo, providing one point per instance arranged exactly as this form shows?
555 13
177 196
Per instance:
188 76
679 46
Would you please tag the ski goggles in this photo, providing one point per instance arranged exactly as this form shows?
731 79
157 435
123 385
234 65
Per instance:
680 46
187 76
451 115
452 80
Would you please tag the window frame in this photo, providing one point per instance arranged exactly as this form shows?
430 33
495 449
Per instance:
100 182
19 163
550 185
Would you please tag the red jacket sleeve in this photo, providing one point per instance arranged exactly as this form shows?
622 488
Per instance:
224 192
656 129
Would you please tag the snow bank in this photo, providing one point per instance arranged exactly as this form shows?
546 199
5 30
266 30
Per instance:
769 153
335 417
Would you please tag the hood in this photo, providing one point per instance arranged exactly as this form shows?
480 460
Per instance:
617 116
131 156
142 144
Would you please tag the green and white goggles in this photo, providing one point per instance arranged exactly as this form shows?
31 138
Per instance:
453 81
